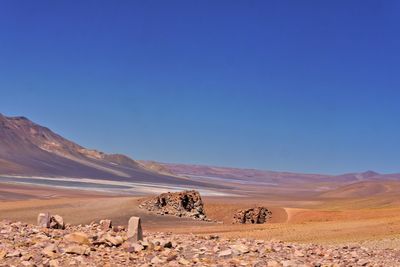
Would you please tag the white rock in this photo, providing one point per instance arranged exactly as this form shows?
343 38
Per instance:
43 220
225 253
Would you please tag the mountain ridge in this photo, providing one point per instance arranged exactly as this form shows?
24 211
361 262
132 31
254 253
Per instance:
29 149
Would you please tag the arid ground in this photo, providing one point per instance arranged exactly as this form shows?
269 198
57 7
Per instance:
365 213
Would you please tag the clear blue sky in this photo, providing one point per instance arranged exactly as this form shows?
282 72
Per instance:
308 86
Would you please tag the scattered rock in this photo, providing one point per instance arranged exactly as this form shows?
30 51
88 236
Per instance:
88 245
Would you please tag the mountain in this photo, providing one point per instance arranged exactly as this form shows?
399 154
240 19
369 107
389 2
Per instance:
213 173
28 149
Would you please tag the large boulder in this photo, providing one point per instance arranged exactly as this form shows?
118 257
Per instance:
57 222
135 232
46 220
181 204
43 220
258 215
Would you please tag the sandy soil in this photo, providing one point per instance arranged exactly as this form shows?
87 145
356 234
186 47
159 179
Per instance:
373 221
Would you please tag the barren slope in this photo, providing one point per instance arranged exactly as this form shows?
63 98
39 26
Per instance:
28 149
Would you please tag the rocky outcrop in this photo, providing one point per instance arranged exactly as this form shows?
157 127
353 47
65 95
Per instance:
257 215
181 204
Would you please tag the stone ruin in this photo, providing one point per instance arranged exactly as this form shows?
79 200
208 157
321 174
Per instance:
258 215
181 204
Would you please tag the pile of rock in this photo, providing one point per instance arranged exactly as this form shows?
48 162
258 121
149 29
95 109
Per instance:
258 215
181 204
101 244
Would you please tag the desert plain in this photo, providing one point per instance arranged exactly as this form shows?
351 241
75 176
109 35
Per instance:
366 213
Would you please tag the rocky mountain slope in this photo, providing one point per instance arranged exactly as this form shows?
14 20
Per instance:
28 149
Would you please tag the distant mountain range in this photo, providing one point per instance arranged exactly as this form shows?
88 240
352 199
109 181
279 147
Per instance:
263 176
28 149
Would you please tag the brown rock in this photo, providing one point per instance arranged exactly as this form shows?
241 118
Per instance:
105 225
225 253
50 251
181 204
135 232
77 237
257 215
54 263
113 241
43 220
15 253
2 254
56 222
78 250
27 264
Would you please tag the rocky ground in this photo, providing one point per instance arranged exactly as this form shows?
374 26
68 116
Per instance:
98 245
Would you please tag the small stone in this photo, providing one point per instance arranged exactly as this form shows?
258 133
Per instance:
13 254
135 247
50 251
240 249
54 263
156 260
26 257
2 254
172 256
289 263
225 253
273 264
115 241
27 264
183 261
78 250
298 253
77 237
363 262
105 225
